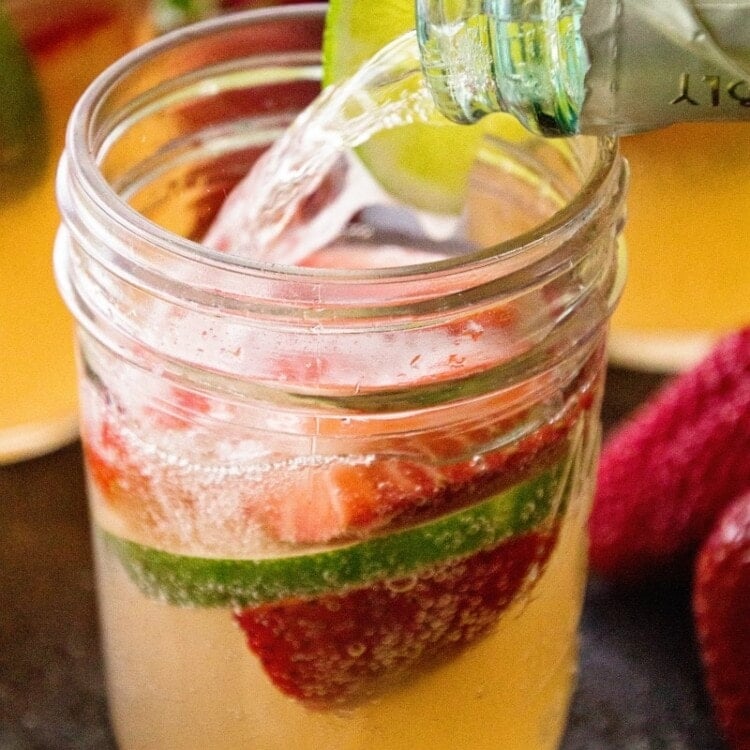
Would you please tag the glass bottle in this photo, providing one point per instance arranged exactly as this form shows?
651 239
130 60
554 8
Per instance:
588 66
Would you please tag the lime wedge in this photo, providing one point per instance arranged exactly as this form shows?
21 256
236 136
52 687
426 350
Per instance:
23 137
426 165
211 582
352 35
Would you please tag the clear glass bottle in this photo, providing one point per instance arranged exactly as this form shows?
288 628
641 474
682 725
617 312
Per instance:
301 478
588 66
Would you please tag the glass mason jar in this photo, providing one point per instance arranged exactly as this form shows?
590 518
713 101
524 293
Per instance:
50 50
334 507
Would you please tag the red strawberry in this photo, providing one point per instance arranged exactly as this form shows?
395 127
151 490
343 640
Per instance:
127 484
110 467
343 647
336 500
406 479
123 486
328 501
667 474
721 602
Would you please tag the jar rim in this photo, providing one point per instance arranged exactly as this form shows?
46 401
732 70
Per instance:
605 168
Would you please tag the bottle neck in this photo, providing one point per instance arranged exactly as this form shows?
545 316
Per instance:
526 58
588 66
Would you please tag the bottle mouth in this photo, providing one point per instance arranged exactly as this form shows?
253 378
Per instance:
525 58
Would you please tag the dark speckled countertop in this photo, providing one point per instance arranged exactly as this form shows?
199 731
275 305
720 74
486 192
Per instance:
640 686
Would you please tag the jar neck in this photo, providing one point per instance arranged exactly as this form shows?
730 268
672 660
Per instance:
362 341
138 280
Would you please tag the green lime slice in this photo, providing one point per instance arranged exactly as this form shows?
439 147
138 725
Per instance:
211 582
426 165
24 146
351 37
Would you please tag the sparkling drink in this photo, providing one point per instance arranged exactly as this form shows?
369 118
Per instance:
162 682
338 501
67 44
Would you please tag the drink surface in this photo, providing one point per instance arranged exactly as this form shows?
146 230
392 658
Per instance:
68 46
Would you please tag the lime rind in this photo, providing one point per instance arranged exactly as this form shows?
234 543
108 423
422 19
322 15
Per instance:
184 580
24 145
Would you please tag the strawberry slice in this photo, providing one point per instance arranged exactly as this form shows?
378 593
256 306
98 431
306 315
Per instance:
721 603
111 468
350 498
668 473
341 648
329 501
410 478
337 624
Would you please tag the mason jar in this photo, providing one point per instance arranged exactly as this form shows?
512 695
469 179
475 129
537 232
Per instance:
341 503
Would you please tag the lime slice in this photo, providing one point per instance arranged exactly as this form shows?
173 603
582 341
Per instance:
23 136
352 35
423 164
211 582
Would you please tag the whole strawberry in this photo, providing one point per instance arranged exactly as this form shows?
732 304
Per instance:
666 475
721 602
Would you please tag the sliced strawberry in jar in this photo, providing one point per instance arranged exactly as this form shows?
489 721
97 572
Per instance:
198 581
342 497
333 500
111 468
338 624
344 647
387 482
323 499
